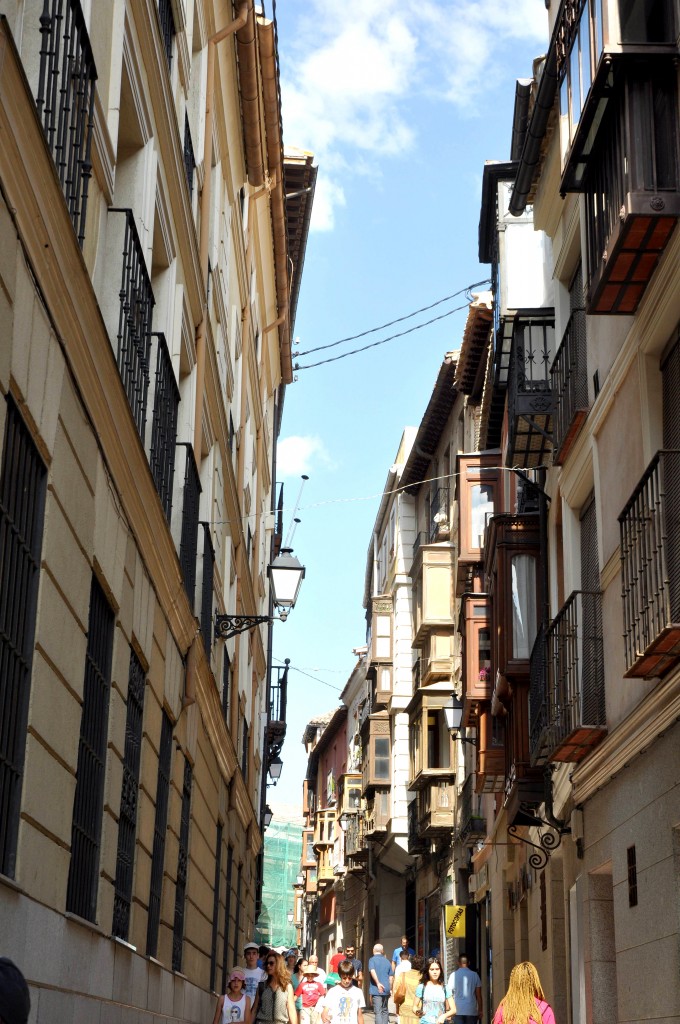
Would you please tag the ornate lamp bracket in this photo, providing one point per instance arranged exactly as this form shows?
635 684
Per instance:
227 626
548 841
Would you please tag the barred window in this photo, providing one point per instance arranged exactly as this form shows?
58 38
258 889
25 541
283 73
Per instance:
207 589
239 901
216 905
182 865
189 536
81 896
23 484
227 959
159 830
226 686
127 822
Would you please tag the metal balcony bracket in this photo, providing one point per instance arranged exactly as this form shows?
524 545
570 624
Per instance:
548 842
535 426
227 626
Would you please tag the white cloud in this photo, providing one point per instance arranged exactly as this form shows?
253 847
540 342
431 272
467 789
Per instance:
298 454
355 65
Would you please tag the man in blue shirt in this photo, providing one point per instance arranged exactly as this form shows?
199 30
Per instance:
381 973
466 987
396 956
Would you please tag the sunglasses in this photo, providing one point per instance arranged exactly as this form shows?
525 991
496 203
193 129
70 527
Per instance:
271 963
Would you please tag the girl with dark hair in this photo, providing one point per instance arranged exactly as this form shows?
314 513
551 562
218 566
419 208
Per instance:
433 1002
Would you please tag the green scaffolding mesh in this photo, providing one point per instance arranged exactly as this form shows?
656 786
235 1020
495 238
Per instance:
282 854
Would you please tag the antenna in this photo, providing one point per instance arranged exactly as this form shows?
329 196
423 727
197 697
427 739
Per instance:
295 521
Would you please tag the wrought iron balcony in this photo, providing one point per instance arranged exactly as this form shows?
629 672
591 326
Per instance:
189 160
164 425
576 701
471 826
167 23
65 101
530 399
569 384
189 535
278 698
650 569
133 339
207 591
538 699
632 196
416 842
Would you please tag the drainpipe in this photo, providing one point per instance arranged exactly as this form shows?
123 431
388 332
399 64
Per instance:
239 22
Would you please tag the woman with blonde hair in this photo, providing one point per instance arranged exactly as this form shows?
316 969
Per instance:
524 1002
274 1002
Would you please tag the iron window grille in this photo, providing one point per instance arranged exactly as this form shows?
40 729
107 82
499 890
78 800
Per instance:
207 589
631 858
160 827
439 515
65 101
189 537
167 20
127 821
226 958
226 686
88 801
239 901
133 340
244 751
164 425
569 384
216 906
538 699
189 160
182 865
23 485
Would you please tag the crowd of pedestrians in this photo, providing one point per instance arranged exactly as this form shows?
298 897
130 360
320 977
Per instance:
276 989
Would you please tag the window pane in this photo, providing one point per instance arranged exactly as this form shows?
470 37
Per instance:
584 39
481 507
381 760
574 80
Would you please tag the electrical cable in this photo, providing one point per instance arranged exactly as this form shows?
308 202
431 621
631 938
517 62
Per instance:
399 319
391 337
323 682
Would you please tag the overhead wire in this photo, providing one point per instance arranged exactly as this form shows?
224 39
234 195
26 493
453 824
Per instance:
400 319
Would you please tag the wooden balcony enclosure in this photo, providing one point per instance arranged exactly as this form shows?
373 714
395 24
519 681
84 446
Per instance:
434 607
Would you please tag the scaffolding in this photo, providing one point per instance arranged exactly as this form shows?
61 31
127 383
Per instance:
282 855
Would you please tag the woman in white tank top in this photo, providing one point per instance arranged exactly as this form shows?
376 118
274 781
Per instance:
234 1006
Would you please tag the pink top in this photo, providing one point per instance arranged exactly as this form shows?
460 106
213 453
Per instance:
545 1008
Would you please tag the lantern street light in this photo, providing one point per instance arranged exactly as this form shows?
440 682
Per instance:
267 816
285 577
453 713
275 766
290 917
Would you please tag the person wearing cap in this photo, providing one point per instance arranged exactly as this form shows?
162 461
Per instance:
234 1006
311 991
254 974
15 1001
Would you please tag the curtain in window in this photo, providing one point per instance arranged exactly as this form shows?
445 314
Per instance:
523 605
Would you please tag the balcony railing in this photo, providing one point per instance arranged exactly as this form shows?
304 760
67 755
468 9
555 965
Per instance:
576 701
189 160
167 20
416 841
650 569
355 842
471 822
207 591
134 323
439 516
65 101
164 425
189 537
538 699
530 400
569 382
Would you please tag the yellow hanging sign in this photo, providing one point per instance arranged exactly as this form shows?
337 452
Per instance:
455 922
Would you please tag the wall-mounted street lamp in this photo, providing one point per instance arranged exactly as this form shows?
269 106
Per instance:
275 766
290 917
453 713
285 576
267 816
300 881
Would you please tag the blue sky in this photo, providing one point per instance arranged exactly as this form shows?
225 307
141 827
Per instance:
401 101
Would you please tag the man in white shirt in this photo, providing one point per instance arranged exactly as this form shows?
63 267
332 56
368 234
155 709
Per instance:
466 988
403 964
253 973
320 973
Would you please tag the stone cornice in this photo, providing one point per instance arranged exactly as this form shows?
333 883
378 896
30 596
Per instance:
656 713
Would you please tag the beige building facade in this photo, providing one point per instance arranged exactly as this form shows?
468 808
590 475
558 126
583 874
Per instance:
144 349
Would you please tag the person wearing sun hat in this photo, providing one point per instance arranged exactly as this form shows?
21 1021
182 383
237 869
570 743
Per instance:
312 992
234 1006
15 1001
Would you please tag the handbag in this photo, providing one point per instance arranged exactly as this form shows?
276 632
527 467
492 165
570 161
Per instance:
399 993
